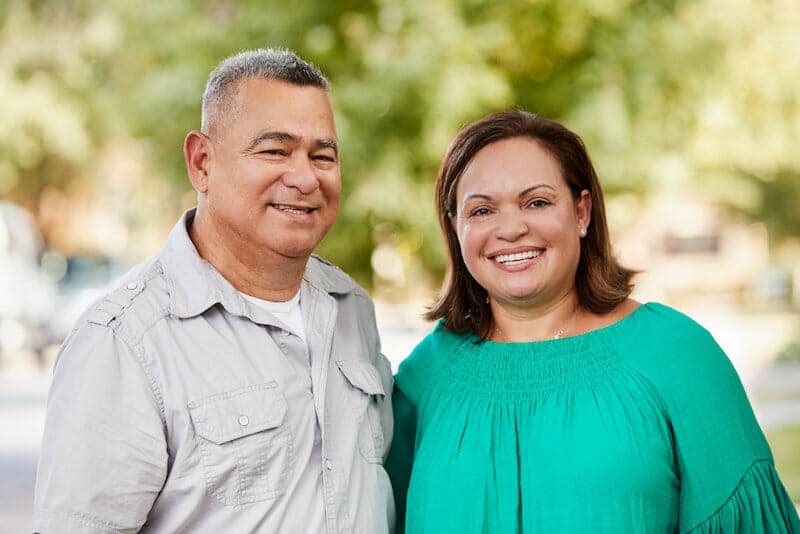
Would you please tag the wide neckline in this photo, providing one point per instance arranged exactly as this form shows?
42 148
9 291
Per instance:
579 339
493 370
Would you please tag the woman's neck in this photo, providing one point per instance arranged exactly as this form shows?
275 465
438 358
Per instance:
519 324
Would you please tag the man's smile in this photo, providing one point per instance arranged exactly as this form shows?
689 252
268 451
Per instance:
293 208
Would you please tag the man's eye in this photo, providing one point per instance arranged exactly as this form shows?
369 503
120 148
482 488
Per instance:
273 152
324 157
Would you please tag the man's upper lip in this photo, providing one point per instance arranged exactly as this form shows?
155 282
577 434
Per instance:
512 250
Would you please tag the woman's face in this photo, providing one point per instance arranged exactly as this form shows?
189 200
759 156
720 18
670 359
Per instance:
518 225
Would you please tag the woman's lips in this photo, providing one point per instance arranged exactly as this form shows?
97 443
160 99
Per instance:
517 260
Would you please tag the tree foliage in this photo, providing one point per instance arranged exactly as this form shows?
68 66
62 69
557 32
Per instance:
666 93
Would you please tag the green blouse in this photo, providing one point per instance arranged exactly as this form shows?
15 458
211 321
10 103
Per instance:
641 427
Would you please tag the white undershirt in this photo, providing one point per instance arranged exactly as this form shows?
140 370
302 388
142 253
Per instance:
289 313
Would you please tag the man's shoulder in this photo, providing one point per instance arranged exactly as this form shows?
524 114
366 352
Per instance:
326 276
135 299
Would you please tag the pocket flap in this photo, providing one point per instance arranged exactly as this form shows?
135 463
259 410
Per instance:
234 414
362 375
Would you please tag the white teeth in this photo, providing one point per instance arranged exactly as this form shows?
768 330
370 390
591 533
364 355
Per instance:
519 256
292 209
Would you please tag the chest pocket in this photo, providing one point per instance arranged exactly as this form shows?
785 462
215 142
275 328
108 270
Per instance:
245 443
366 399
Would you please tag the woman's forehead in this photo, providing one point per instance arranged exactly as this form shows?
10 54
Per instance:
510 166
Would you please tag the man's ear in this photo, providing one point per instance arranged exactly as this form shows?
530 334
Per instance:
197 152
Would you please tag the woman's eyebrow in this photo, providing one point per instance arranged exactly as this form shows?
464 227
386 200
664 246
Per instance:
484 196
477 195
535 187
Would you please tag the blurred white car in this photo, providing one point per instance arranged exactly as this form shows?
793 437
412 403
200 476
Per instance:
27 292
85 280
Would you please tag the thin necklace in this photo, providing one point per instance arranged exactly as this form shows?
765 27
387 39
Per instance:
560 332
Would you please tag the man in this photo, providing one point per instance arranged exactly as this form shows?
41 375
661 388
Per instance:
233 383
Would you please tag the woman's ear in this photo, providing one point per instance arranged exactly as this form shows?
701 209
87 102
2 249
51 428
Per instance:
583 211
197 152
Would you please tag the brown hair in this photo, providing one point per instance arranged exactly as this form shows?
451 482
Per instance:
601 282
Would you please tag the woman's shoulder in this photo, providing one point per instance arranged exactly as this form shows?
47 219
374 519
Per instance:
668 347
655 323
428 354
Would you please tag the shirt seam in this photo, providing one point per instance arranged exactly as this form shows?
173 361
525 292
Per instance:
81 518
140 355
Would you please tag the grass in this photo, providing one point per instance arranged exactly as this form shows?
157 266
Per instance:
785 443
790 353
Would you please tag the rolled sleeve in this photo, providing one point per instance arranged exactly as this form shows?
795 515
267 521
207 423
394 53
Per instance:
104 455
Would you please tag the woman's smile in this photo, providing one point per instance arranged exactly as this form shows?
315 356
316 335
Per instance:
516 260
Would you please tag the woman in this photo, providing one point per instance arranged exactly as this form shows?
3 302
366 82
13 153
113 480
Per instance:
546 400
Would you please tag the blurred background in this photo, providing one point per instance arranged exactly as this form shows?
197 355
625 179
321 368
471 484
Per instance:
689 109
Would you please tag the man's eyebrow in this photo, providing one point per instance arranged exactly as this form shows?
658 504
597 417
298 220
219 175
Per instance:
271 136
290 138
328 143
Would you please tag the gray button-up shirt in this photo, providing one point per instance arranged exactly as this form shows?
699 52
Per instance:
178 407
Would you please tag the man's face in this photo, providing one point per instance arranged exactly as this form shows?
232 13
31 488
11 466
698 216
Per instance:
273 182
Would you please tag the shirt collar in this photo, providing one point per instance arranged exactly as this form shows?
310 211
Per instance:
195 285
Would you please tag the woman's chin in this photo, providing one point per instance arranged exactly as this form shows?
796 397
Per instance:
519 297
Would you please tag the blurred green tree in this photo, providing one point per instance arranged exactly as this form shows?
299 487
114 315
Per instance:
664 92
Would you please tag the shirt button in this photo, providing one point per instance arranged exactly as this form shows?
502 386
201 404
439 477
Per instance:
328 465
244 420
131 286
283 348
286 333
309 395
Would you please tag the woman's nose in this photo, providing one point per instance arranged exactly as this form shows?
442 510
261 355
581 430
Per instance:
511 226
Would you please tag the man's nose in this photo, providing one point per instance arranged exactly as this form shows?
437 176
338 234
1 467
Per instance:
301 174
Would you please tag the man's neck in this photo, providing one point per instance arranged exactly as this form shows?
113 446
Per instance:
257 272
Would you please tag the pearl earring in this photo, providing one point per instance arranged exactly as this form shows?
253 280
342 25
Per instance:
583 232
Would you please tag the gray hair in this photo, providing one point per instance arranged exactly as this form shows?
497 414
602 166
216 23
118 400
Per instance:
269 64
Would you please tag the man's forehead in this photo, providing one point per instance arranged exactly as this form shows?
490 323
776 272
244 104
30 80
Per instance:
278 90
268 109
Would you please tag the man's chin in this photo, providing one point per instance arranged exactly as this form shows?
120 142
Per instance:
295 252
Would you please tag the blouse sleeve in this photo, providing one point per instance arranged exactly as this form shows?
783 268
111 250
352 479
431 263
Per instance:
726 469
401 455
758 505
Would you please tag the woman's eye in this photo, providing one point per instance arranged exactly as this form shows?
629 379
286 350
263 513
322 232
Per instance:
480 212
538 203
